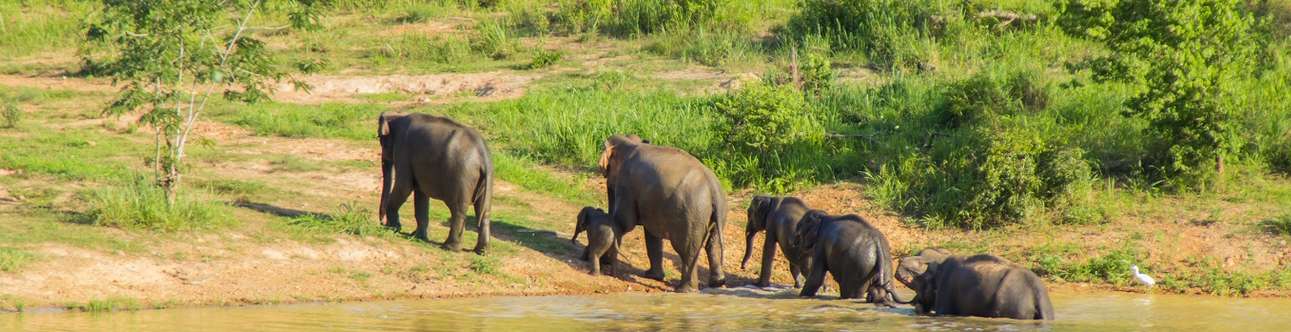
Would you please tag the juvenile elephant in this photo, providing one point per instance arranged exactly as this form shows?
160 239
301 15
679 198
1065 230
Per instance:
980 285
850 249
602 238
674 197
779 216
434 157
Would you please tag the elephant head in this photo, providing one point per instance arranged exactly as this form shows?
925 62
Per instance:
386 138
917 273
759 209
807 232
584 218
617 148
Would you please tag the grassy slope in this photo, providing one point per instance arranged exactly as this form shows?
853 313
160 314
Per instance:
1213 243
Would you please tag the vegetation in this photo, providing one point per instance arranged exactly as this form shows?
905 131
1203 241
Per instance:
138 205
171 56
347 219
12 259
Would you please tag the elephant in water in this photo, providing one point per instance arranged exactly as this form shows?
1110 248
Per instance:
851 250
674 197
980 285
434 157
779 216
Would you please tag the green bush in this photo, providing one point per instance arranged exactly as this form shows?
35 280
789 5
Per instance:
494 39
1187 95
543 58
142 205
10 115
772 139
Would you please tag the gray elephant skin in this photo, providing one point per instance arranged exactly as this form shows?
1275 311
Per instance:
434 157
980 285
850 249
778 216
602 238
673 196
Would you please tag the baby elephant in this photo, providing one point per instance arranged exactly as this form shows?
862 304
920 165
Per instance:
602 237
980 285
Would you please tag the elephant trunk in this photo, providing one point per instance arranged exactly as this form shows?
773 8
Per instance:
748 249
385 189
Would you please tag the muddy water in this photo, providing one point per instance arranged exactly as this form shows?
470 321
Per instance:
735 310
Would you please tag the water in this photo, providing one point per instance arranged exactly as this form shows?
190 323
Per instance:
733 311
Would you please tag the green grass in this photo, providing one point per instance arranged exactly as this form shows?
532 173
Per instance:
1278 226
526 174
350 121
32 27
106 305
12 259
141 205
347 219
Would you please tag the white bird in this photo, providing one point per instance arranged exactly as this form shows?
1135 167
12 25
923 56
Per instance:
1142 278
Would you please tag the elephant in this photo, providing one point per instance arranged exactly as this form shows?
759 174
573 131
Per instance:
779 216
602 238
434 157
850 249
980 285
673 196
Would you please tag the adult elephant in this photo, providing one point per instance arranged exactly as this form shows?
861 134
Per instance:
850 249
980 285
673 196
778 216
434 157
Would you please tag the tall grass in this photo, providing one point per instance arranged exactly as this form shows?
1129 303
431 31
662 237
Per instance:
142 205
31 27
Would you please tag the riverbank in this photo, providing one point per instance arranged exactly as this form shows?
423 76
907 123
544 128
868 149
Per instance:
292 183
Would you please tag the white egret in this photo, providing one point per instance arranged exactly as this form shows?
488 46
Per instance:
1142 278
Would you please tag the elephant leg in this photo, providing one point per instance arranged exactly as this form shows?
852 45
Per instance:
796 272
688 249
482 218
456 225
714 249
815 278
596 264
654 250
421 203
587 254
768 259
612 259
398 195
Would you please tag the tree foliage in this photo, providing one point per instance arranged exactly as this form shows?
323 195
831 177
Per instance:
172 55
1185 57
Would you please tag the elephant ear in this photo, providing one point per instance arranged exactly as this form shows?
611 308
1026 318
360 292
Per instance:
910 269
610 157
808 229
759 208
383 122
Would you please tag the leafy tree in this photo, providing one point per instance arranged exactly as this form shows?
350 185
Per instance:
172 55
1185 57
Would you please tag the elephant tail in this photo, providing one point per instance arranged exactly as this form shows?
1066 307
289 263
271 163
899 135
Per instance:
484 192
884 275
1044 309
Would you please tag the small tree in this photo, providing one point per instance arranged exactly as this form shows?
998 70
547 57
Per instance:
1184 56
172 55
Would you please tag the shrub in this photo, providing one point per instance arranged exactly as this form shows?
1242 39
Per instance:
772 136
1185 96
10 115
494 39
416 47
140 205
543 58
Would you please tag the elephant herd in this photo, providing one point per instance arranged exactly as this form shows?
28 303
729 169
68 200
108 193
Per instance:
674 197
